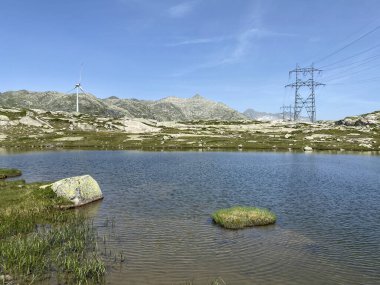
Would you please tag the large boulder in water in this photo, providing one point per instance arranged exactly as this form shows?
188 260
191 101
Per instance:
80 189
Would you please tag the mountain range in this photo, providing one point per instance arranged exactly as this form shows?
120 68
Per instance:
166 109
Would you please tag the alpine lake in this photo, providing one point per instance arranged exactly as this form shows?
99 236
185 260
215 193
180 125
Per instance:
157 207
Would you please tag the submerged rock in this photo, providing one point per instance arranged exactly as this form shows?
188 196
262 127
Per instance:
80 189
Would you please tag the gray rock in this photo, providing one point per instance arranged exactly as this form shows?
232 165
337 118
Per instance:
28 121
84 127
80 189
14 123
4 120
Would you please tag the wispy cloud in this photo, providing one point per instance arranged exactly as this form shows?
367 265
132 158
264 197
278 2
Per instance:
200 41
241 46
181 10
246 40
314 39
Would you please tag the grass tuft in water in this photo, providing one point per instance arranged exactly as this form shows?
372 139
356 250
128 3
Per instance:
239 217
9 172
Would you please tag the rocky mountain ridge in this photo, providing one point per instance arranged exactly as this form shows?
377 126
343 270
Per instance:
166 109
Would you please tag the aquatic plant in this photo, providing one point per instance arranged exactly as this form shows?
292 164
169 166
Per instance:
239 217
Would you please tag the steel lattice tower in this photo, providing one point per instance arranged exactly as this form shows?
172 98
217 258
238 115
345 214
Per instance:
305 78
287 113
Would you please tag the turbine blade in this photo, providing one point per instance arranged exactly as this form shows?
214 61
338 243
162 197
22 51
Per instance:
80 73
68 92
82 90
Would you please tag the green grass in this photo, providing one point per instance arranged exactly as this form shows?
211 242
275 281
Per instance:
39 241
239 217
9 172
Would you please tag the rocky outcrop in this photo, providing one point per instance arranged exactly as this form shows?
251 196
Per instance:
363 120
80 190
136 127
28 121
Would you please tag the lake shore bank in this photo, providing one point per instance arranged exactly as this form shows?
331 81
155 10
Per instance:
40 130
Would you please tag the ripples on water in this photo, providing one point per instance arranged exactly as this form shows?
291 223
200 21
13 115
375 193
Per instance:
328 207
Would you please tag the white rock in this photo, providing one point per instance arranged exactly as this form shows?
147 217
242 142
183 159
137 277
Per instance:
14 123
80 189
28 121
365 145
136 127
68 139
308 148
84 127
39 111
4 120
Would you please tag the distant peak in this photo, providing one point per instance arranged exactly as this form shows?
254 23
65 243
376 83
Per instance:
113 97
197 96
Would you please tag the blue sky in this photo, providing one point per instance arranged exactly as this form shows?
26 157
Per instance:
236 52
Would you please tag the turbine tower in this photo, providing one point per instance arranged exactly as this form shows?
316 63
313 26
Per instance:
77 88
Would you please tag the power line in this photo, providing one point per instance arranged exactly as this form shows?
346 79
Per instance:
356 82
348 72
349 44
355 55
361 62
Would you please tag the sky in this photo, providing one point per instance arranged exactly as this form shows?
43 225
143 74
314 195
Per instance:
237 52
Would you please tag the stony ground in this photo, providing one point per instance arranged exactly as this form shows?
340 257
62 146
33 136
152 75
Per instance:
37 129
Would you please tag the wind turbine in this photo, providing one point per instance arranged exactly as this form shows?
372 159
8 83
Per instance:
78 87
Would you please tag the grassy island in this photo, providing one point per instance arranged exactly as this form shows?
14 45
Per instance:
39 241
9 172
239 217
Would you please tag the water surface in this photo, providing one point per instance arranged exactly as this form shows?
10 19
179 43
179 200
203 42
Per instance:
328 209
